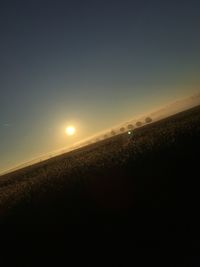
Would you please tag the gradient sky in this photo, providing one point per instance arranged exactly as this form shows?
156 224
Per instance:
89 63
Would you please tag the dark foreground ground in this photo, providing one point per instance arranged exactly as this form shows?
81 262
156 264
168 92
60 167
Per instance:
126 201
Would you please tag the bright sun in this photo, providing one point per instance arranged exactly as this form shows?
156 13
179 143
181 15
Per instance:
70 130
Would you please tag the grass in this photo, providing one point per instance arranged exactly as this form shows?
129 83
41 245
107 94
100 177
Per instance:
142 188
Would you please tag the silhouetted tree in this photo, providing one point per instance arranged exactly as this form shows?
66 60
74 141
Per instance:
138 123
130 126
122 129
113 132
148 120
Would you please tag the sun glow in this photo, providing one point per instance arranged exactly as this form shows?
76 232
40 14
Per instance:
70 130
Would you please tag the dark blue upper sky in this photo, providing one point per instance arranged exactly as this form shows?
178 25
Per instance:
91 63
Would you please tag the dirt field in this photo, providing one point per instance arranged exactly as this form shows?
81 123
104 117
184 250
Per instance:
134 198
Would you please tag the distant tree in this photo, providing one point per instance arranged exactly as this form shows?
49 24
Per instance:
122 129
138 123
130 126
148 120
113 132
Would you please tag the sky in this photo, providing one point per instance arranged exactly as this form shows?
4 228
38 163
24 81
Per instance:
91 64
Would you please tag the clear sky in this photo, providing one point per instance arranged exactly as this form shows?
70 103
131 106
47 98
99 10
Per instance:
89 63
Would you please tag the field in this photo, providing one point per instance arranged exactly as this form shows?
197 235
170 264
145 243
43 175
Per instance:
132 197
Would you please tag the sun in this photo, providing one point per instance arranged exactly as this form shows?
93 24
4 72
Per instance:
70 130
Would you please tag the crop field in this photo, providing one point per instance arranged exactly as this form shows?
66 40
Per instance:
132 193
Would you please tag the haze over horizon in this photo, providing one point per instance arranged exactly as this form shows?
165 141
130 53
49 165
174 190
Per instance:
92 64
